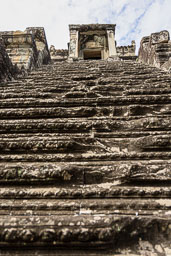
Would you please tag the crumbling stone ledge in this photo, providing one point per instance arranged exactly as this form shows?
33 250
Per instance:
26 50
58 54
155 50
7 70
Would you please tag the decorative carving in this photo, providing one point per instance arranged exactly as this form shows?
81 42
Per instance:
92 237
91 37
72 46
156 50
27 49
91 41
129 50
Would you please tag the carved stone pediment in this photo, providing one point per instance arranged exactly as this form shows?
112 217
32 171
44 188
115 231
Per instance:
91 41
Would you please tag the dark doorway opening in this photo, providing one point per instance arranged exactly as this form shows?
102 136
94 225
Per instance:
92 55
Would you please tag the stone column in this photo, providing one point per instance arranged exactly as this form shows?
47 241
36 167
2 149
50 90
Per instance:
111 43
73 47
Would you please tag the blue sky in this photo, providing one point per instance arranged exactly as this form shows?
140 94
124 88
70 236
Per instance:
133 18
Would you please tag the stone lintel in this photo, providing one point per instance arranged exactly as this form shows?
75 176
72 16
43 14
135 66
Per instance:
90 27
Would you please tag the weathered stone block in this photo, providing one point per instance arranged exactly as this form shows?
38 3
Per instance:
156 50
7 70
58 55
21 48
41 44
126 51
160 37
27 49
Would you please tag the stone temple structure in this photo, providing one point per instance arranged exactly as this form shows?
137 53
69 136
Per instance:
85 145
92 41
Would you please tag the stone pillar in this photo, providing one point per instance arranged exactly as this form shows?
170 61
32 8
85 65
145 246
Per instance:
111 43
73 47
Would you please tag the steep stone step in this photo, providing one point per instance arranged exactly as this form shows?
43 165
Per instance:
95 85
86 111
79 231
95 92
148 92
85 145
84 93
76 135
87 156
86 125
104 190
78 207
48 251
86 172
83 101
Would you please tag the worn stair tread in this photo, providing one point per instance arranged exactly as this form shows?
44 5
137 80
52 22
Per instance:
87 156
141 207
99 101
85 173
98 145
87 124
86 111
104 190
77 231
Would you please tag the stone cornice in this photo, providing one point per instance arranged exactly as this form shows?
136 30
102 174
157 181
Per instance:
86 27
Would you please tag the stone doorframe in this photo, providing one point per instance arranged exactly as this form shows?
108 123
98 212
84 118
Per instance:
75 33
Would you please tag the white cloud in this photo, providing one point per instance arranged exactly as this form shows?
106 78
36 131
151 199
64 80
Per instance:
134 18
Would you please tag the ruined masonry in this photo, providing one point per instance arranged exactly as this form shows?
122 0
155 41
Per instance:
93 41
85 148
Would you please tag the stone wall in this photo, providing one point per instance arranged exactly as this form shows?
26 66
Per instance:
21 49
126 50
58 54
7 70
156 50
43 54
26 49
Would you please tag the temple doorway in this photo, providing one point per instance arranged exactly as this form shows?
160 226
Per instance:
92 55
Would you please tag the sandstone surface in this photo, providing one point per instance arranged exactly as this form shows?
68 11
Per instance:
85 155
156 50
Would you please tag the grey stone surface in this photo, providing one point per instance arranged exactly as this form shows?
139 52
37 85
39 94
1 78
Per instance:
7 70
58 54
85 151
27 50
156 50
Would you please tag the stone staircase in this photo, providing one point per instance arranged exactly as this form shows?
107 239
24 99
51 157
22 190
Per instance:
85 160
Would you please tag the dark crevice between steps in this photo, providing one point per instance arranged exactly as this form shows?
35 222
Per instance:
146 182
